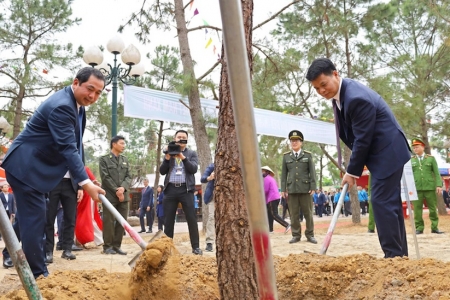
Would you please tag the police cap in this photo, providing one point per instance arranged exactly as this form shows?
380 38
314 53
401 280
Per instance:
417 142
296 134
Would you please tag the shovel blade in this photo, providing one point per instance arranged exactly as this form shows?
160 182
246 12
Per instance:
132 262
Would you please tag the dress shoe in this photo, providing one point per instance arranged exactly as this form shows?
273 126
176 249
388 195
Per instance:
287 229
58 247
295 239
119 251
142 231
67 254
150 231
197 251
437 231
49 257
76 248
371 231
109 251
7 263
419 231
312 240
209 247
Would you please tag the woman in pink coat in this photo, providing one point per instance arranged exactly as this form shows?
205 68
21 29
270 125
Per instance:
272 199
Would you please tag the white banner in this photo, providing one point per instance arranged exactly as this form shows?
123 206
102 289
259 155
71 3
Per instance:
164 106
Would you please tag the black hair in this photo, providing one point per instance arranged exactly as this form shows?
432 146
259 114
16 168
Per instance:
181 130
320 66
115 139
84 74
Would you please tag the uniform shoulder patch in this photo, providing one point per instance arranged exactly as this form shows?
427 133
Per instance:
309 152
286 152
428 155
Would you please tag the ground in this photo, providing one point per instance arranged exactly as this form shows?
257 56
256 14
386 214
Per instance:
353 268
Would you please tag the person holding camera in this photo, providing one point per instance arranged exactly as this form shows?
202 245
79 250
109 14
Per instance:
179 165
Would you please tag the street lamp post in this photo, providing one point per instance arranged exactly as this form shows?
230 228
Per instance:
115 73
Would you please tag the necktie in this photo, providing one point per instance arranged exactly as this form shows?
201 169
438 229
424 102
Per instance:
336 122
296 155
80 126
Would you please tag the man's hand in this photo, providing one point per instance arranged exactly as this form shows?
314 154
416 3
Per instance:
180 156
348 179
284 194
438 190
96 182
79 196
311 192
93 191
210 177
119 193
148 208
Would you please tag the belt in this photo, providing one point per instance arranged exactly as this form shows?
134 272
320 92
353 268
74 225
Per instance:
65 179
177 184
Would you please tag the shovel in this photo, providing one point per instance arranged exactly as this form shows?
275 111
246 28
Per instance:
337 211
133 234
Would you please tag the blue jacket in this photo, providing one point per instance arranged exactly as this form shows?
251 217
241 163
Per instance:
160 205
209 191
321 199
368 127
362 196
48 146
338 195
146 198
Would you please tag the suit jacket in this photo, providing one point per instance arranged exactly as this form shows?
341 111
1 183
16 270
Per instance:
48 146
146 198
321 199
160 205
368 127
8 203
209 191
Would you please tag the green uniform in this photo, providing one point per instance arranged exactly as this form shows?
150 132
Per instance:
427 179
298 178
114 173
371 224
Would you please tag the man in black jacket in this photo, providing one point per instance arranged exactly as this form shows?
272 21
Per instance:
179 187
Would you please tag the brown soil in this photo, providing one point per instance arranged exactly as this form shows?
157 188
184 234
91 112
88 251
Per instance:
352 269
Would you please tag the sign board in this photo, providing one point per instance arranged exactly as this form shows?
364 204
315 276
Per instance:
409 190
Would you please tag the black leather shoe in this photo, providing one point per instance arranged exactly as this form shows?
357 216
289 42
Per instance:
312 239
294 239
58 247
371 231
67 254
209 247
197 251
437 231
419 231
142 231
109 251
76 248
49 257
119 251
7 263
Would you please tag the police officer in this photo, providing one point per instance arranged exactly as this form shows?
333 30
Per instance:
428 184
115 176
298 179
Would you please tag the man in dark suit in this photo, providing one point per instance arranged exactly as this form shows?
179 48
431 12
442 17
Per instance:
146 207
321 200
8 201
368 127
209 179
43 152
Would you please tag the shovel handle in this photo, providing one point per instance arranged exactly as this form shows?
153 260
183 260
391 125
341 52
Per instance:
134 235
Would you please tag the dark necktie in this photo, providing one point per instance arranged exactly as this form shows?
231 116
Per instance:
80 126
338 142
296 155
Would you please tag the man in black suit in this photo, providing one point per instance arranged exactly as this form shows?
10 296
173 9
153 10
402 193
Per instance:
146 207
368 127
47 148
10 207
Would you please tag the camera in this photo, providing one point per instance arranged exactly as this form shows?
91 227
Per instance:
173 149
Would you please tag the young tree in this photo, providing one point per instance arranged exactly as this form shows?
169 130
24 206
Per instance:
30 52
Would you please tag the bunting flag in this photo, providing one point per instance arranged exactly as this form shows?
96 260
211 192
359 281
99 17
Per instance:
209 43
195 12
214 49
191 4
204 22
45 71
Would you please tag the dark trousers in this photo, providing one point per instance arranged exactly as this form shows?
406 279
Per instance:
319 209
65 194
17 232
347 208
148 215
160 223
113 230
272 214
303 201
387 209
31 207
60 225
363 207
172 196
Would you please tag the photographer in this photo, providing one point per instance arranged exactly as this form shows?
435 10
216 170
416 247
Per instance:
179 165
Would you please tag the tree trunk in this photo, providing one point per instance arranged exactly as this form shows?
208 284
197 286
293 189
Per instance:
158 158
442 210
198 122
235 261
353 193
18 112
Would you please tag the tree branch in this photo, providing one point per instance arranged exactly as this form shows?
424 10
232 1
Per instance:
267 56
184 103
204 26
209 71
276 14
